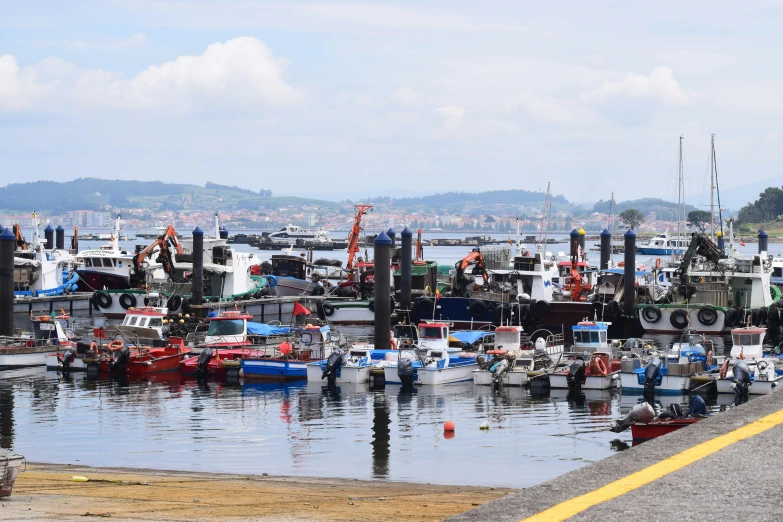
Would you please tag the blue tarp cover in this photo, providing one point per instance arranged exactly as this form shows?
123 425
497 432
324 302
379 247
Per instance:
469 337
621 271
266 329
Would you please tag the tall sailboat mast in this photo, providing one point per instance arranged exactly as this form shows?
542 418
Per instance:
712 187
680 198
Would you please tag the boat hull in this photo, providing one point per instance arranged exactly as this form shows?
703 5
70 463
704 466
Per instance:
434 376
140 368
756 388
592 382
274 369
346 374
19 357
90 281
670 384
512 378
351 312
10 464
289 286
641 432
391 377
664 324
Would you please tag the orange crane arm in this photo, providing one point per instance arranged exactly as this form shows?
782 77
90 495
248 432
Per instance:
168 237
353 237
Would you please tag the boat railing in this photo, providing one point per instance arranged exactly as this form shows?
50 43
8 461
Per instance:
28 342
501 297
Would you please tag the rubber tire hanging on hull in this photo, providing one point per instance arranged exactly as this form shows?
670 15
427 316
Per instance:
426 306
679 319
542 309
478 308
730 318
707 316
328 309
102 299
173 303
651 313
127 301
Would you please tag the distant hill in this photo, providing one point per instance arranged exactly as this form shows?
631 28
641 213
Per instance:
768 207
461 201
95 194
664 210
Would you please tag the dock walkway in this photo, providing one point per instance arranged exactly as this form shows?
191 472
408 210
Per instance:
722 468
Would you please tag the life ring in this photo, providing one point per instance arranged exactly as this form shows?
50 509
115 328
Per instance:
328 309
173 303
651 313
102 299
127 301
116 345
724 369
600 366
393 343
707 316
658 263
541 309
679 319
478 308
271 281
94 347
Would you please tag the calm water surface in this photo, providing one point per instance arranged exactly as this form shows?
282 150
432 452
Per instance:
305 429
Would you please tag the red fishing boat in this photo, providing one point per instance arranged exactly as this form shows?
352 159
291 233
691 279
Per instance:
642 432
146 360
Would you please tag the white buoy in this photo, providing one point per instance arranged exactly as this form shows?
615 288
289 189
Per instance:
484 425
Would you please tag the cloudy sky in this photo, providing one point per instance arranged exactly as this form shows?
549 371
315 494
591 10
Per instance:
367 98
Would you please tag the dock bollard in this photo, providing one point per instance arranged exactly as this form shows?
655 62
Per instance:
406 265
582 235
59 238
763 241
197 287
7 247
382 291
606 249
393 236
629 273
49 237
574 250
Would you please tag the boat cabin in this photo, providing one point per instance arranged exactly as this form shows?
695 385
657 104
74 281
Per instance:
692 347
48 331
534 276
747 343
228 328
313 342
290 265
591 336
144 323
434 336
424 278
509 338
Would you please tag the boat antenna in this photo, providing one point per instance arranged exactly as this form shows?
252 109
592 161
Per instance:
680 209
717 189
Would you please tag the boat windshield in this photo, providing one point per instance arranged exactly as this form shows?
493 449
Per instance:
747 339
226 327
585 336
430 332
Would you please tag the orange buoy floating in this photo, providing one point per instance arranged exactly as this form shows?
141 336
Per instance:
448 426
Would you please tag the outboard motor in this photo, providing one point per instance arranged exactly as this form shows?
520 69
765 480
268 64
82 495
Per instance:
741 379
675 412
651 373
405 372
576 375
68 356
500 368
203 361
640 413
481 361
698 408
120 361
333 365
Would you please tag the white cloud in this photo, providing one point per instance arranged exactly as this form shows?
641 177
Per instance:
551 110
452 116
659 86
242 73
405 96
772 136
135 40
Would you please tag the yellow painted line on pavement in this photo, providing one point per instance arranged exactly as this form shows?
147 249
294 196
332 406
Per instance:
569 508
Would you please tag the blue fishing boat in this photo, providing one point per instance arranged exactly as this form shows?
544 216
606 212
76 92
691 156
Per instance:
288 361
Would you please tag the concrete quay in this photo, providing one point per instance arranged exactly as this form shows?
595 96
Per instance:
724 467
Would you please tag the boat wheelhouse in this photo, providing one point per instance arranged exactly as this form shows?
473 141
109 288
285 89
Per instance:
664 245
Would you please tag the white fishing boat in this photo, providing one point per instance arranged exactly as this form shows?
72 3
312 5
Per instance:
591 364
49 337
354 367
514 360
747 347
